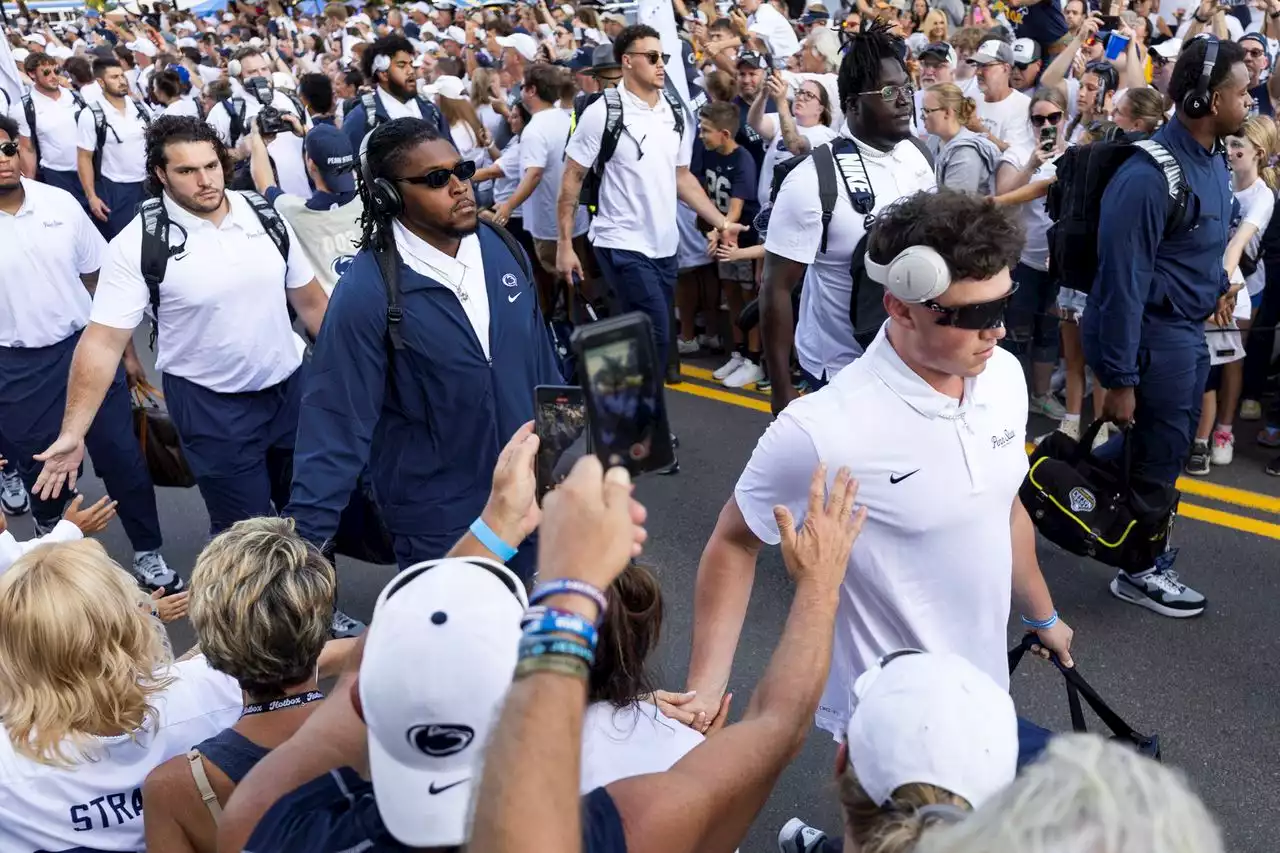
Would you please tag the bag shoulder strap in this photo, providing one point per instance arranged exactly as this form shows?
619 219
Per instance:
677 111
923 148
1175 181
514 246
388 261
271 221
196 762
143 115
236 111
612 128
155 254
824 162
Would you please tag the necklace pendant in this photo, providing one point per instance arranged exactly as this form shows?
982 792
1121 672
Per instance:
462 296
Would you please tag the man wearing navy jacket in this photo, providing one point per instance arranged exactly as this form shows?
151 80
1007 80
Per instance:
426 380
388 65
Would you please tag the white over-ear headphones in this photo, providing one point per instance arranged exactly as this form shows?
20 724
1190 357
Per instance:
917 274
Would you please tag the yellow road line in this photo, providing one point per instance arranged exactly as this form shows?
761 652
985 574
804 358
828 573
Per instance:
1225 494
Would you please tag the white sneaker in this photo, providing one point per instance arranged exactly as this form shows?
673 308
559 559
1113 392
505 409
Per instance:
686 347
748 373
1070 428
711 342
1048 405
734 362
13 495
1223 447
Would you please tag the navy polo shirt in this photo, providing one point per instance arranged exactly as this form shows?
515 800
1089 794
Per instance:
1173 281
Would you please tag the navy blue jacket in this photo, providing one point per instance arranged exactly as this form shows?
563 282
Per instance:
1042 22
355 125
1174 281
431 426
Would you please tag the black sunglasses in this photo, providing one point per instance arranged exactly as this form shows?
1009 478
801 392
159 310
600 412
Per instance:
9 149
1051 118
651 55
439 178
976 317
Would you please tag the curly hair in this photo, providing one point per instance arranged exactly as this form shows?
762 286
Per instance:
975 236
384 154
171 130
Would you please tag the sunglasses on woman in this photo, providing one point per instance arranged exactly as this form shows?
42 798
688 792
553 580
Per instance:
1040 121
976 317
9 149
439 178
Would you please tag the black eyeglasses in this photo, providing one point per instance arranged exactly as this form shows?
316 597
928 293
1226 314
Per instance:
439 178
976 317
1051 118
892 93
9 149
651 55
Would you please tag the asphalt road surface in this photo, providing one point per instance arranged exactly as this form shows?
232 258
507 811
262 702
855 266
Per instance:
1207 686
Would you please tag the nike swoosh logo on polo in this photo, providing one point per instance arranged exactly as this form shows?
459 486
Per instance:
898 478
513 297
432 789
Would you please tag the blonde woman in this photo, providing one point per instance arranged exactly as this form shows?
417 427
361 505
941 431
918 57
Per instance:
469 135
91 701
963 160
934 27
261 604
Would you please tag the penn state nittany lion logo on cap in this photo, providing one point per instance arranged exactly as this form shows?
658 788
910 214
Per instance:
509 280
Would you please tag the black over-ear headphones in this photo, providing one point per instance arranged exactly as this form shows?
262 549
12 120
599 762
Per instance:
1196 103
382 193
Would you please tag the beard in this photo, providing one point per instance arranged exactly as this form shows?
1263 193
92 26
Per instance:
403 91
196 204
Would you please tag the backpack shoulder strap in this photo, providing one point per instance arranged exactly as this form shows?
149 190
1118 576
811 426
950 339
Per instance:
155 254
612 127
1175 181
78 100
297 104
514 246
370 104
923 149
677 111
825 164
236 110
271 221
29 109
388 261
143 114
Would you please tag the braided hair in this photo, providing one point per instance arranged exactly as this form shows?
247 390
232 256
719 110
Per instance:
389 143
864 50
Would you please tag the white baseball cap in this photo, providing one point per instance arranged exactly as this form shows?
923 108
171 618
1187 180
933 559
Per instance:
421 8
1167 49
454 34
20 54
144 46
992 51
227 17
448 87
456 623
186 41
1025 51
522 43
35 38
935 719
58 51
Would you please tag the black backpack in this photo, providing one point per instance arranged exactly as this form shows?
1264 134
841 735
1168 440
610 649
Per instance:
1074 203
101 126
613 130
29 111
237 110
838 161
157 248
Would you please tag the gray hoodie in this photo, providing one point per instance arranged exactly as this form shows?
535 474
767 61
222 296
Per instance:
967 162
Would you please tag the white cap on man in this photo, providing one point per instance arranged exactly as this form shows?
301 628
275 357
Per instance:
456 623
934 719
522 44
146 47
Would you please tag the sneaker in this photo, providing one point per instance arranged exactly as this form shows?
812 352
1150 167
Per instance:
1273 467
670 471
686 347
1048 405
709 342
673 374
764 386
1250 410
748 373
44 528
343 627
797 836
1070 428
1223 450
153 572
1198 463
1269 436
734 362
1159 590
13 495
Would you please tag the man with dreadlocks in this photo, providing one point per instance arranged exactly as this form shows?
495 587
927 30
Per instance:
879 162
427 361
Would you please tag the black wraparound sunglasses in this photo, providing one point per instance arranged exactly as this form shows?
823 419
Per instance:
976 317
439 178
9 149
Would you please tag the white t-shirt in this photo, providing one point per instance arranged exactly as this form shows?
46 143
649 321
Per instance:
824 338
183 106
542 146
1007 120
49 242
777 152
777 32
1035 252
633 741
124 148
224 324
505 187
55 128
11 550
285 149
97 804
933 566
637 195
1257 202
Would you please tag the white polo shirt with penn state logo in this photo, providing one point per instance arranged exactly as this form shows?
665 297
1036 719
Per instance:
933 566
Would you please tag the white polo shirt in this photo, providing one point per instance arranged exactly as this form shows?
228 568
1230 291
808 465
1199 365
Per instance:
542 146
97 803
824 336
933 566
224 324
47 246
183 106
637 209
55 128
124 149
396 108
285 149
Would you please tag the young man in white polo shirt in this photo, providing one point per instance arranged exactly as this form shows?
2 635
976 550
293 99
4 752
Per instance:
878 161
634 232
931 421
113 176
48 148
48 270
229 358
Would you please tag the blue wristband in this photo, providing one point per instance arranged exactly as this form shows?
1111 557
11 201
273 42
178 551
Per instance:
1041 624
568 586
532 647
539 621
492 541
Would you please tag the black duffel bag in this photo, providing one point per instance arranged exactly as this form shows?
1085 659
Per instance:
1095 507
158 438
362 535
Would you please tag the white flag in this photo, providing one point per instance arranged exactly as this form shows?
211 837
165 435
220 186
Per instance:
10 80
659 15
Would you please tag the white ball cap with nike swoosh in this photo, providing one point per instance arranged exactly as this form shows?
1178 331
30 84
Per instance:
438 661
